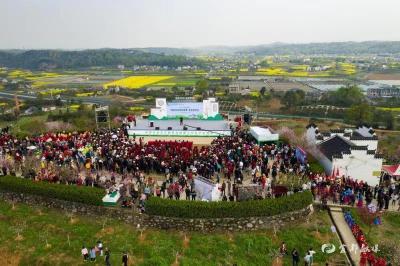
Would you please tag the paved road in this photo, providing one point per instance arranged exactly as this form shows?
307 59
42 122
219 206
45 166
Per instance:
346 235
89 100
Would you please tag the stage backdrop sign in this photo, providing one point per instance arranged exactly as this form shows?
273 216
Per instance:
185 109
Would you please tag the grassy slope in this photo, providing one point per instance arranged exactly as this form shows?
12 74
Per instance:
152 248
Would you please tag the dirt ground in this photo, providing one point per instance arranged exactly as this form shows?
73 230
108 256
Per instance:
9 258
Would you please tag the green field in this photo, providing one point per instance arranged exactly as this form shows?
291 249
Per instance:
38 236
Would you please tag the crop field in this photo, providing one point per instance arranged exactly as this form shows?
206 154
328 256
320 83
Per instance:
347 69
64 79
136 82
179 81
392 109
292 71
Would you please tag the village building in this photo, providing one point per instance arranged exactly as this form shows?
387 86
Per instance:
348 152
382 92
246 84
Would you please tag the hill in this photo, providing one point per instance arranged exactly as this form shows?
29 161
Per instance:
42 59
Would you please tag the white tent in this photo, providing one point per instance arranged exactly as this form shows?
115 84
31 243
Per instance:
206 190
263 134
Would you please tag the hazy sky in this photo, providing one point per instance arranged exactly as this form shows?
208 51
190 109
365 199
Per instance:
73 24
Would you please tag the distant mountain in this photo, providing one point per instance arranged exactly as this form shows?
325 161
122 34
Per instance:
167 50
174 57
329 48
42 59
340 48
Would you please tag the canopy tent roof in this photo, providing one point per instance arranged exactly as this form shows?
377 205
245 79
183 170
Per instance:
393 170
263 134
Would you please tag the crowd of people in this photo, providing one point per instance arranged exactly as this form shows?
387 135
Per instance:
347 191
92 254
109 158
113 161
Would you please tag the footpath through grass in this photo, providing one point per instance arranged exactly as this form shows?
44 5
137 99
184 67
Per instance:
38 236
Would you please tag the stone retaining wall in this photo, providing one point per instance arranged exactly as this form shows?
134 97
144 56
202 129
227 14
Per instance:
161 222
121 214
227 224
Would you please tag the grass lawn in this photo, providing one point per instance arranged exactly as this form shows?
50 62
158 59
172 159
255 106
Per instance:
387 144
386 235
26 125
32 236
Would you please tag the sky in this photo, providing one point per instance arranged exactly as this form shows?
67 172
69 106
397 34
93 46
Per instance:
81 24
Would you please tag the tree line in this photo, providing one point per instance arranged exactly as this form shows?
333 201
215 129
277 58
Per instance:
43 59
358 109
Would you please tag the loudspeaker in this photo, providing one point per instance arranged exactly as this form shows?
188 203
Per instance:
157 128
151 124
169 128
101 117
247 118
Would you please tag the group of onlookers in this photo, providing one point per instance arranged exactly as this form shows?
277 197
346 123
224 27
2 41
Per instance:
92 253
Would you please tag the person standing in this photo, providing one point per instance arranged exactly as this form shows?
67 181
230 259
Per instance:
223 188
85 253
125 259
395 197
386 198
92 254
187 192
107 257
283 249
193 194
307 259
100 247
295 257
311 252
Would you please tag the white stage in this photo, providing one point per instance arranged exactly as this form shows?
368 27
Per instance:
263 134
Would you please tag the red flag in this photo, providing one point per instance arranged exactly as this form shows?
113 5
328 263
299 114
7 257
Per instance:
332 176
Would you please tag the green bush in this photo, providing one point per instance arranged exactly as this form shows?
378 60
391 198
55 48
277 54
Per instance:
82 194
222 209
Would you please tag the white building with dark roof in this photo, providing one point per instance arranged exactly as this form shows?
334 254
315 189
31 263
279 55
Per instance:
349 152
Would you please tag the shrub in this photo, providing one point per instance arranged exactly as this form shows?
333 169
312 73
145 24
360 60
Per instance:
81 194
222 209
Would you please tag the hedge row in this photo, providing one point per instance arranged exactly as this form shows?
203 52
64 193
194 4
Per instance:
82 194
224 209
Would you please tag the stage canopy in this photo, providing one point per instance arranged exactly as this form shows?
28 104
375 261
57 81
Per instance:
392 170
263 134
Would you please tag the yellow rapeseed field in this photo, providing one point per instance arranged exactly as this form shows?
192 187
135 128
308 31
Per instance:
84 94
135 82
348 69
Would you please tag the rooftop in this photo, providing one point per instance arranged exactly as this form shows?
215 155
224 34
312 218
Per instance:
335 146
